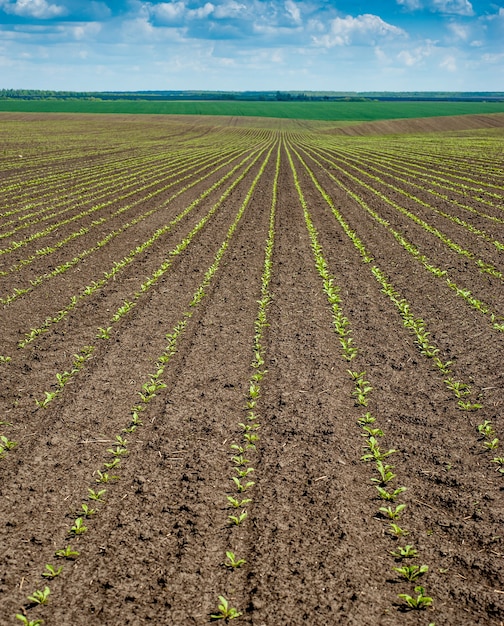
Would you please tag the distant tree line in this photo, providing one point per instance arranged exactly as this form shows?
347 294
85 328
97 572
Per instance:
268 96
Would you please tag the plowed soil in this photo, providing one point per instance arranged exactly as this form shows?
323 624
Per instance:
317 549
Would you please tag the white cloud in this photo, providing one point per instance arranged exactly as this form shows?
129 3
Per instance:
450 7
169 11
412 5
453 7
39 9
459 31
363 29
230 9
493 58
293 11
417 55
449 63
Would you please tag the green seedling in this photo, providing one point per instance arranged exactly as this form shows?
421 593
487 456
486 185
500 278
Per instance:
122 442
392 513
96 495
244 472
250 437
248 427
486 429
135 419
385 474
238 519
349 352
469 406
225 611
130 429
6 443
460 389
397 531
105 477
67 553
233 561
78 528
50 395
366 419
444 367
411 572
240 486
373 432
40 597
254 391
86 511
408 552
234 502
114 463
420 602
499 460
389 496
240 460
51 571
28 622
491 445
356 375
117 451
104 333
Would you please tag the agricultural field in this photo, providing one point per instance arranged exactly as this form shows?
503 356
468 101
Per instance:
328 111
250 371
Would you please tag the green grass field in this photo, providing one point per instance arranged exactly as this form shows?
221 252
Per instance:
328 111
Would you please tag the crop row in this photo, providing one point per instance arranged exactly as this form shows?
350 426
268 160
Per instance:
96 495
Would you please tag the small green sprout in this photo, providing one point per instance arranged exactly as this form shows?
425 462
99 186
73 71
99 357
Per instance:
66 553
240 486
51 571
104 477
86 511
78 528
420 602
225 611
411 572
499 460
96 495
408 552
114 463
50 395
469 406
117 451
245 472
28 622
233 561
385 474
366 419
104 333
389 495
40 597
491 445
236 520
240 460
392 513
6 443
234 502
254 391
397 531
486 429
373 432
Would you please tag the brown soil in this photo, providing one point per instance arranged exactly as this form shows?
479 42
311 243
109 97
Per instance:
317 549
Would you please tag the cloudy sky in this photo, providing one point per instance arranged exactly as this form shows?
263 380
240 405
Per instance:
329 45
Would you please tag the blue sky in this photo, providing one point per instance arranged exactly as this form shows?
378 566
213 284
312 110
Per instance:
328 45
